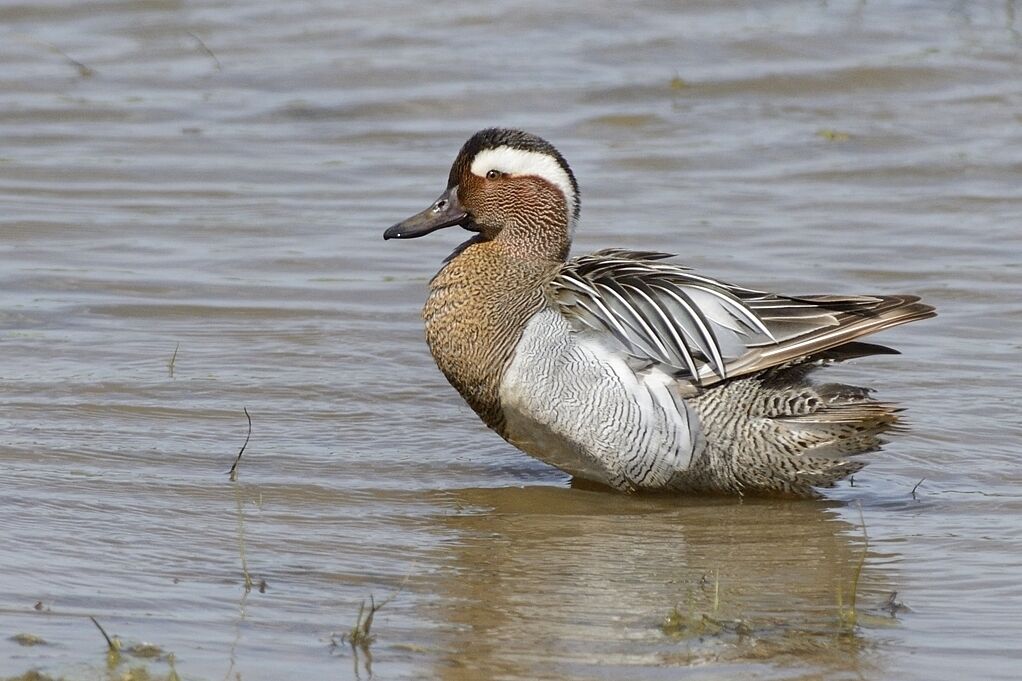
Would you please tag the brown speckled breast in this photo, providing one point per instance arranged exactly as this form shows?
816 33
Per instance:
478 305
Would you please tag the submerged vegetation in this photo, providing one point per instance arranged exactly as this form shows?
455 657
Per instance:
116 649
133 673
28 640
714 632
31 675
712 629
359 635
833 135
116 667
849 616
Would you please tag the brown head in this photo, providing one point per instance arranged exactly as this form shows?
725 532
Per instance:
509 186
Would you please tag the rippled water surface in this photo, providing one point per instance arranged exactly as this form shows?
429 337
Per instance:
192 196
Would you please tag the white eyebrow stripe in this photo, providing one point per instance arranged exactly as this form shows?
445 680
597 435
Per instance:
522 162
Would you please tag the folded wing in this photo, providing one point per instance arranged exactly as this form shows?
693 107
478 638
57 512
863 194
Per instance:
707 330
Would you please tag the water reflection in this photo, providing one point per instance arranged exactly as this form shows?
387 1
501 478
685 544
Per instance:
550 582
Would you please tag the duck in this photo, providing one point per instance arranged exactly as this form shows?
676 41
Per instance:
625 369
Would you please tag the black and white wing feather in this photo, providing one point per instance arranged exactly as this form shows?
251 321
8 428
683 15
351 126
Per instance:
707 330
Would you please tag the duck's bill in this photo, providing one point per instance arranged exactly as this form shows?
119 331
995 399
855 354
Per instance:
446 211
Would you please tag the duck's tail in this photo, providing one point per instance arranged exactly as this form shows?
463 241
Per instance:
779 434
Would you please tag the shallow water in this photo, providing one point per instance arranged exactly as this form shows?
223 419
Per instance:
190 223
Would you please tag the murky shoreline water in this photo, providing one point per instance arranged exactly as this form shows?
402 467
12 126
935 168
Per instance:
210 193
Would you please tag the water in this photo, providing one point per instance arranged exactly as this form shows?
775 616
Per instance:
190 225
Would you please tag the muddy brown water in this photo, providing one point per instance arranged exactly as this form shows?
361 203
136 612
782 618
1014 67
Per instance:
190 224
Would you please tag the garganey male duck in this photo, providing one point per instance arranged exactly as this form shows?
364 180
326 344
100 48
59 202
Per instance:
632 372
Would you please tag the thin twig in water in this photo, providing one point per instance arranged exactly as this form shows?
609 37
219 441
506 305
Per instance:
112 645
173 359
205 48
917 487
234 469
83 70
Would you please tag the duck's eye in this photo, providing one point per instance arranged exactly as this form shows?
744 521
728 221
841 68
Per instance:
493 174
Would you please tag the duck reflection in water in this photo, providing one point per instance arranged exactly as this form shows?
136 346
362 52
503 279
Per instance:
547 582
